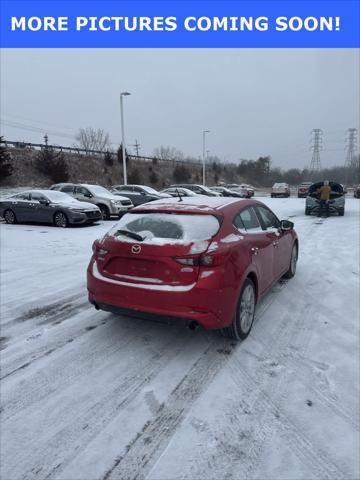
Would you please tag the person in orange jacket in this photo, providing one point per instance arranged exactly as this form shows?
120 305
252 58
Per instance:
324 195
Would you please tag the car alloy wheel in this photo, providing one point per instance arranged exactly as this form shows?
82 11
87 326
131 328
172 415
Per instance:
9 217
60 220
247 308
244 315
293 262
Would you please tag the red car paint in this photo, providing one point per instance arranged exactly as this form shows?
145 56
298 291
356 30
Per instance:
172 280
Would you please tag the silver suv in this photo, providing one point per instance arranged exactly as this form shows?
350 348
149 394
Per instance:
108 203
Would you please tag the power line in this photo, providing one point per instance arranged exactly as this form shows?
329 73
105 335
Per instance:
316 148
31 128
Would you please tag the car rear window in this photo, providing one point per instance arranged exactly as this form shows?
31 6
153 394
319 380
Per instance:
167 227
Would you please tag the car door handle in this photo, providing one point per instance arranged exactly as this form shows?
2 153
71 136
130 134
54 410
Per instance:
276 244
254 250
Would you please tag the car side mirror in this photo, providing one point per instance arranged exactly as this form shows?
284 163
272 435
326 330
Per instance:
87 195
286 225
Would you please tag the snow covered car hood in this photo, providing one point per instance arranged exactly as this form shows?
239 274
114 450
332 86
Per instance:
77 204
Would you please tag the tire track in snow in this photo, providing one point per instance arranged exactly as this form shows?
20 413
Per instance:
37 387
148 445
88 425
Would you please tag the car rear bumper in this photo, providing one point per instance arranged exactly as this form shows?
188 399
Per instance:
332 208
199 302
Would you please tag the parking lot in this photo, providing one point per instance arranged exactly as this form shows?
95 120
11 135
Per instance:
90 395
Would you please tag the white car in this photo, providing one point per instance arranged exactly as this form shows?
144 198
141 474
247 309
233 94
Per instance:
280 190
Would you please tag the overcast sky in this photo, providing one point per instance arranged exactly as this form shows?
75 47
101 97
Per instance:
255 102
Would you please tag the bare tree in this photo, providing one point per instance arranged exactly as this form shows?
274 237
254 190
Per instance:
91 139
168 153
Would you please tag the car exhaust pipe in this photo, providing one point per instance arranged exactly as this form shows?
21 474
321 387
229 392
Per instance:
193 325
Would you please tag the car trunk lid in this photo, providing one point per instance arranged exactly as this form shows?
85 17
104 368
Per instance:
161 249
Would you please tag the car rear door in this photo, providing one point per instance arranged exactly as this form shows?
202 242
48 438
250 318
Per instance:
282 241
260 244
20 206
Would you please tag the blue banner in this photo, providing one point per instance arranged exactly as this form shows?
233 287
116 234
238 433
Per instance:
180 24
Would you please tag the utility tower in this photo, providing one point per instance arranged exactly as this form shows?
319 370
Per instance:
316 148
46 139
137 147
351 146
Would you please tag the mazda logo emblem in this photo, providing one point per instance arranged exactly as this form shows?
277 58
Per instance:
135 249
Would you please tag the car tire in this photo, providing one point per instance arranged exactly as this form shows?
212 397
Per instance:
293 261
105 213
307 211
272 196
10 217
60 220
341 212
245 313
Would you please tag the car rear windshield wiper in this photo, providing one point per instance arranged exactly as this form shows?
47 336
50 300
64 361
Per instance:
127 233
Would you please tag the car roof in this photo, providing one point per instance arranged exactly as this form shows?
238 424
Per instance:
45 191
198 204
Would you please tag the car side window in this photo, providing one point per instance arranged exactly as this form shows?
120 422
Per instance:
238 223
137 190
38 197
82 191
267 218
22 196
67 189
249 219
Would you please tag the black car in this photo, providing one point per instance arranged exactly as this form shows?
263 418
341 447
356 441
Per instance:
226 192
336 202
357 191
138 194
47 206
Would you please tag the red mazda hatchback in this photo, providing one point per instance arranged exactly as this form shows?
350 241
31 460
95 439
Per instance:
205 260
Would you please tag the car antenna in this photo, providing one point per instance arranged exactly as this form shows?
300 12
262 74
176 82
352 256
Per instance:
180 199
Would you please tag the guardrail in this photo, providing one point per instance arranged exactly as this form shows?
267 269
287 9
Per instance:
84 152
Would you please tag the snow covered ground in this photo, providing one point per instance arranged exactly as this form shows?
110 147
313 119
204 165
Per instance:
89 395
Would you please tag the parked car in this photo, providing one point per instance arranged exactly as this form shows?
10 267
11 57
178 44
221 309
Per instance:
108 203
280 190
357 191
206 261
47 206
199 189
336 203
241 190
179 191
303 189
226 192
138 194
250 192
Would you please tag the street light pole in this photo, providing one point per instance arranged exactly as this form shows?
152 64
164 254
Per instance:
204 133
123 94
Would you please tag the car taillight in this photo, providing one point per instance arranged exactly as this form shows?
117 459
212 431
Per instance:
213 259
205 260
98 250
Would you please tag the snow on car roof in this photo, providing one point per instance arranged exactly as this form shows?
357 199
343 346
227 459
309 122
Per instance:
200 202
